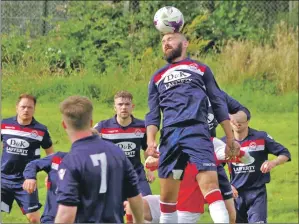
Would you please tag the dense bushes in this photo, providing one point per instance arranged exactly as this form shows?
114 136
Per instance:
103 47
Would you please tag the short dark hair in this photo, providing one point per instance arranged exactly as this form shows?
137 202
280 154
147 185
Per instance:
27 96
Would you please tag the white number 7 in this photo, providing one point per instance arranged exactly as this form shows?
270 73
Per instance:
95 158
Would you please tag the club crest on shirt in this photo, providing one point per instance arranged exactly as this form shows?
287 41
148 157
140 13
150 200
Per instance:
61 173
138 132
34 134
252 146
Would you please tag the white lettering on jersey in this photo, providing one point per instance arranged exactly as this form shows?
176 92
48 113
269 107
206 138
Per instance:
128 148
18 143
243 169
176 75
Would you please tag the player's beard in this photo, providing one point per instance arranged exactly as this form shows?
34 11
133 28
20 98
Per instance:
174 53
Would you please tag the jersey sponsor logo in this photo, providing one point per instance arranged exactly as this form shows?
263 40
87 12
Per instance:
128 148
17 146
176 75
61 173
244 169
17 142
185 65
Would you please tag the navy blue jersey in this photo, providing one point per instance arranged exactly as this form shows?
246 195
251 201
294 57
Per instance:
131 139
50 165
21 144
96 176
233 107
182 91
259 144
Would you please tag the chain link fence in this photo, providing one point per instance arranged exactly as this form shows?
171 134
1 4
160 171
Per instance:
22 14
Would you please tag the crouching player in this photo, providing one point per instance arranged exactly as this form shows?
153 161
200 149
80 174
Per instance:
190 200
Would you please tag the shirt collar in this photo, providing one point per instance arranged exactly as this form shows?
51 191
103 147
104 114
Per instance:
32 122
115 120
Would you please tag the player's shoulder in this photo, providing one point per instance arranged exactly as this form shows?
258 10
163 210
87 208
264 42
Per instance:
37 125
139 122
8 120
104 123
257 133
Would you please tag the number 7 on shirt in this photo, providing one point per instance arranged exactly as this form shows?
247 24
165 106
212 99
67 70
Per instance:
95 158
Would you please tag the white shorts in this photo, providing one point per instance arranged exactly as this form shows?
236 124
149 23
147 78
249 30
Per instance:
154 205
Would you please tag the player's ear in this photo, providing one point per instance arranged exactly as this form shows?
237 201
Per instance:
133 106
185 43
91 122
63 125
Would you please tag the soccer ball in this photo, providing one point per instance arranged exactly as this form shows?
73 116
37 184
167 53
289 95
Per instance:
169 20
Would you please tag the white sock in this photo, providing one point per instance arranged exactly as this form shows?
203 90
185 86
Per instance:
219 212
168 213
188 217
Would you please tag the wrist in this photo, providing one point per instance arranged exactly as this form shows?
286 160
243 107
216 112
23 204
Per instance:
276 162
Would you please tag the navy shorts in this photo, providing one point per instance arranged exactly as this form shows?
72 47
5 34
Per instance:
183 144
28 203
224 184
251 205
143 183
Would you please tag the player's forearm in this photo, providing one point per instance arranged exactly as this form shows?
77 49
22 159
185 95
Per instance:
66 214
227 129
136 205
280 159
151 132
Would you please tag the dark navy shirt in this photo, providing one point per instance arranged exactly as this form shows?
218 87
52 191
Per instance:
21 145
259 144
96 176
233 107
182 91
131 139
50 165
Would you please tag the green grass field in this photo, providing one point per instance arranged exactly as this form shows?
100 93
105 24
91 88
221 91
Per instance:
282 191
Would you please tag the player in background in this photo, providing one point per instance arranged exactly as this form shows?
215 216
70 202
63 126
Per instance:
95 177
22 137
50 165
128 133
191 201
181 90
234 107
249 180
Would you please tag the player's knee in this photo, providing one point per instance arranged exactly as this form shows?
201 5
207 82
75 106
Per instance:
207 181
33 217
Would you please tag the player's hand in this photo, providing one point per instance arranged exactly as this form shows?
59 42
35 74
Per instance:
152 149
151 163
235 192
46 181
232 149
150 176
29 185
267 166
